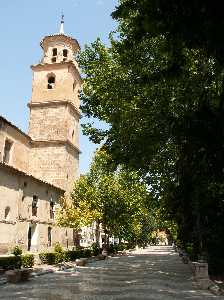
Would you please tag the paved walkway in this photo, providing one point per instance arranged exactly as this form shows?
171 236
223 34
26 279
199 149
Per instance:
152 273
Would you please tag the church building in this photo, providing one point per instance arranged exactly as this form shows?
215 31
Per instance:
38 168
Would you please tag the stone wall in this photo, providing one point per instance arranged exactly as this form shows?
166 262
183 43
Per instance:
20 145
73 127
56 163
66 86
54 121
48 122
16 192
72 167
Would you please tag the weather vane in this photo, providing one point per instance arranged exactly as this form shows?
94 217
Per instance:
62 23
62 17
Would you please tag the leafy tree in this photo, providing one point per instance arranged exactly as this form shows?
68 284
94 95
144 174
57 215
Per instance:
195 24
159 86
115 198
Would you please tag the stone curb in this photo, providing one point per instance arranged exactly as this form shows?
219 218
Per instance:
36 274
211 285
63 266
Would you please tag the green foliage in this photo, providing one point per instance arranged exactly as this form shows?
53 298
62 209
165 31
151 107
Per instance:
72 255
112 249
192 23
48 258
17 251
120 247
52 258
27 260
58 248
10 262
87 252
95 249
159 87
17 261
59 257
115 197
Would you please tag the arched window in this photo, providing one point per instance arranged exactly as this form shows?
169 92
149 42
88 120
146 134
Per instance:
51 82
65 53
7 210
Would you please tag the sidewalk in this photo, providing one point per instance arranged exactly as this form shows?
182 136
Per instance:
152 273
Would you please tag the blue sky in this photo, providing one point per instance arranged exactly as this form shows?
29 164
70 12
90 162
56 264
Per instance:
23 23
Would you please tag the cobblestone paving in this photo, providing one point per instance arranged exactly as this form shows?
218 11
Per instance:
152 273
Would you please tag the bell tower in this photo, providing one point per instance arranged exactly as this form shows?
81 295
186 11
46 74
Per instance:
54 112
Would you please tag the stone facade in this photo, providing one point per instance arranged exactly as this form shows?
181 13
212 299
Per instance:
38 168
21 145
17 217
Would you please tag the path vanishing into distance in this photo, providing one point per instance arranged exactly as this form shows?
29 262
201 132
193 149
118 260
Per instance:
156 272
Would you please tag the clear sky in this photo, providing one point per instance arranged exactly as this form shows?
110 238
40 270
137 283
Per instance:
23 23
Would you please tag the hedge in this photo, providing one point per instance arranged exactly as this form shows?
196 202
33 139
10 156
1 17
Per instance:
27 260
52 258
16 262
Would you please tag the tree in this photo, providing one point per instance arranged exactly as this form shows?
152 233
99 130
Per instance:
194 24
159 86
115 198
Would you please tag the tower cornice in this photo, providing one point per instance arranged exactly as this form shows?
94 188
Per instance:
55 103
55 142
46 66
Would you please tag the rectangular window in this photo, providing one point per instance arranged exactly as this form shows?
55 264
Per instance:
7 150
54 51
65 53
51 210
34 206
49 236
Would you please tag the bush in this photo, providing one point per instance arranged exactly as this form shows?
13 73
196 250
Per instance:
17 251
112 249
52 258
27 260
17 261
58 248
59 257
121 247
10 262
86 253
47 258
72 255
95 249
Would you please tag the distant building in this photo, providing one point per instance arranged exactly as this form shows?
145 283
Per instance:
37 168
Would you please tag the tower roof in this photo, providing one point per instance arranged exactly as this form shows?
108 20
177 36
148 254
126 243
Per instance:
62 37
